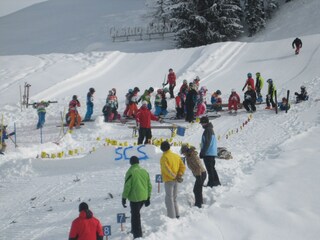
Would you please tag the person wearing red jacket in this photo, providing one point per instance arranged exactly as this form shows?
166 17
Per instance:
75 118
234 100
171 81
143 119
249 82
86 226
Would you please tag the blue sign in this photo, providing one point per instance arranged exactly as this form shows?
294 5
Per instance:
106 230
121 218
122 153
159 178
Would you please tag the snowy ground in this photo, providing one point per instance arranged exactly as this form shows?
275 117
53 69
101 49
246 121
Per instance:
269 189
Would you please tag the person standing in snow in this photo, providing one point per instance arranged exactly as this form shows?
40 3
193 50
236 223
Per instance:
143 118
86 226
110 109
184 87
209 151
146 96
249 102
196 83
41 110
89 105
191 100
171 80
180 104
259 86
297 44
271 94
201 101
234 101
4 135
172 170
195 165
75 118
137 189
133 103
249 81
128 94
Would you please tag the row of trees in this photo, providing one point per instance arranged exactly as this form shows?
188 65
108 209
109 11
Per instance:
201 22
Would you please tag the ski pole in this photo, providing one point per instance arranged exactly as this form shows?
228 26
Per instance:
15 134
41 135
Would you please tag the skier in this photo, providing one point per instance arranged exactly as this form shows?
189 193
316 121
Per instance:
191 100
4 135
89 105
249 102
171 80
216 101
234 101
271 94
184 87
160 102
172 170
259 86
75 118
86 226
146 96
137 189
143 119
297 44
201 101
302 96
180 104
110 108
128 94
196 83
209 151
195 165
133 103
41 110
249 81
284 105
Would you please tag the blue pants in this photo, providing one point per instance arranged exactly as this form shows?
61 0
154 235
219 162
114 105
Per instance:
160 111
41 119
89 111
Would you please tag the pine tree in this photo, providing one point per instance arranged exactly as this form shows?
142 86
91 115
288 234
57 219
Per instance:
158 11
270 7
254 16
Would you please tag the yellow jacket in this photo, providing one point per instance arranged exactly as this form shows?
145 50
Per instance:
171 166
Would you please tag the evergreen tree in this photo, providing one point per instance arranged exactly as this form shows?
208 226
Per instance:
254 16
270 7
158 11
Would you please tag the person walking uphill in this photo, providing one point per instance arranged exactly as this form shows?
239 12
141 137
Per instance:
86 226
297 44
209 151
195 165
171 80
89 105
172 170
137 189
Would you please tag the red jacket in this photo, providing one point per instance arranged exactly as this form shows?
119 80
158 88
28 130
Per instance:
73 105
86 227
144 117
171 78
249 82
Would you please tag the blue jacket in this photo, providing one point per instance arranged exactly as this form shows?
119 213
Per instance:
209 141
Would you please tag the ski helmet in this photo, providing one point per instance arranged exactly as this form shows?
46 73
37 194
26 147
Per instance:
170 69
303 87
185 81
136 89
203 89
218 92
91 90
74 97
114 91
130 90
258 74
151 90
269 80
249 75
197 78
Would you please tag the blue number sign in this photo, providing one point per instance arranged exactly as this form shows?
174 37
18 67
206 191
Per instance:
121 218
158 178
106 230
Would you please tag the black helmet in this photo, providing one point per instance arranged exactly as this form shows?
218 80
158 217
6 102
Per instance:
136 89
74 97
303 87
218 92
151 90
91 90
204 119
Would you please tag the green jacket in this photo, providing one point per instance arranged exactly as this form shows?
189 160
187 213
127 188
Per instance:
137 186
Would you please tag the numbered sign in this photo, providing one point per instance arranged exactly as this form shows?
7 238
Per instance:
106 230
158 178
121 218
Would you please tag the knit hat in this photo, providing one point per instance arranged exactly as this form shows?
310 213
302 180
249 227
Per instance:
83 206
204 119
165 146
134 160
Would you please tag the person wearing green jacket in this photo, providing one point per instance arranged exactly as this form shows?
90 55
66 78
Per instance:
137 189
41 110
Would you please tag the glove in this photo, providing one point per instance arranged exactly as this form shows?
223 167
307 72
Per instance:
147 202
13 133
296 93
201 155
124 202
160 120
179 179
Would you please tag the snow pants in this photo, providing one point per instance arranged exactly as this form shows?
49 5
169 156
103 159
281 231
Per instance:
190 114
144 133
171 87
159 111
197 189
269 99
233 105
89 111
201 109
249 106
133 109
171 189
41 119
75 120
136 229
210 162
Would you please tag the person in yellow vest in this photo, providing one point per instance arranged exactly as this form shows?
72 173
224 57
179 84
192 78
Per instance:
41 109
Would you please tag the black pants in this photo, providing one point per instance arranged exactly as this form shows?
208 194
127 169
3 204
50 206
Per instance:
171 87
144 133
197 189
180 113
136 229
190 114
209 162
249 105
270 100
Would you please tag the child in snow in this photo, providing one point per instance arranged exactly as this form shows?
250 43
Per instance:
75 118
259 86
250 82
180 103
41 109
234 101
4 135
133 103
146 96
284 105
127 102
271 94
216 101
110 109
89 105
249 102
201 101
302 96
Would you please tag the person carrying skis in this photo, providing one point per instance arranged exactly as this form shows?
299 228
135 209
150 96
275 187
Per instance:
199 172
128 94
180 104
259 86
191 100
86 226
271 94
249 81
146 96
143 119
209 151
75 118
216 101
172 170
284 105
137 189
110 108
133 103
234 101
41 110
201 101
89 105
302 96
4 135
171 80
249 102
297 44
